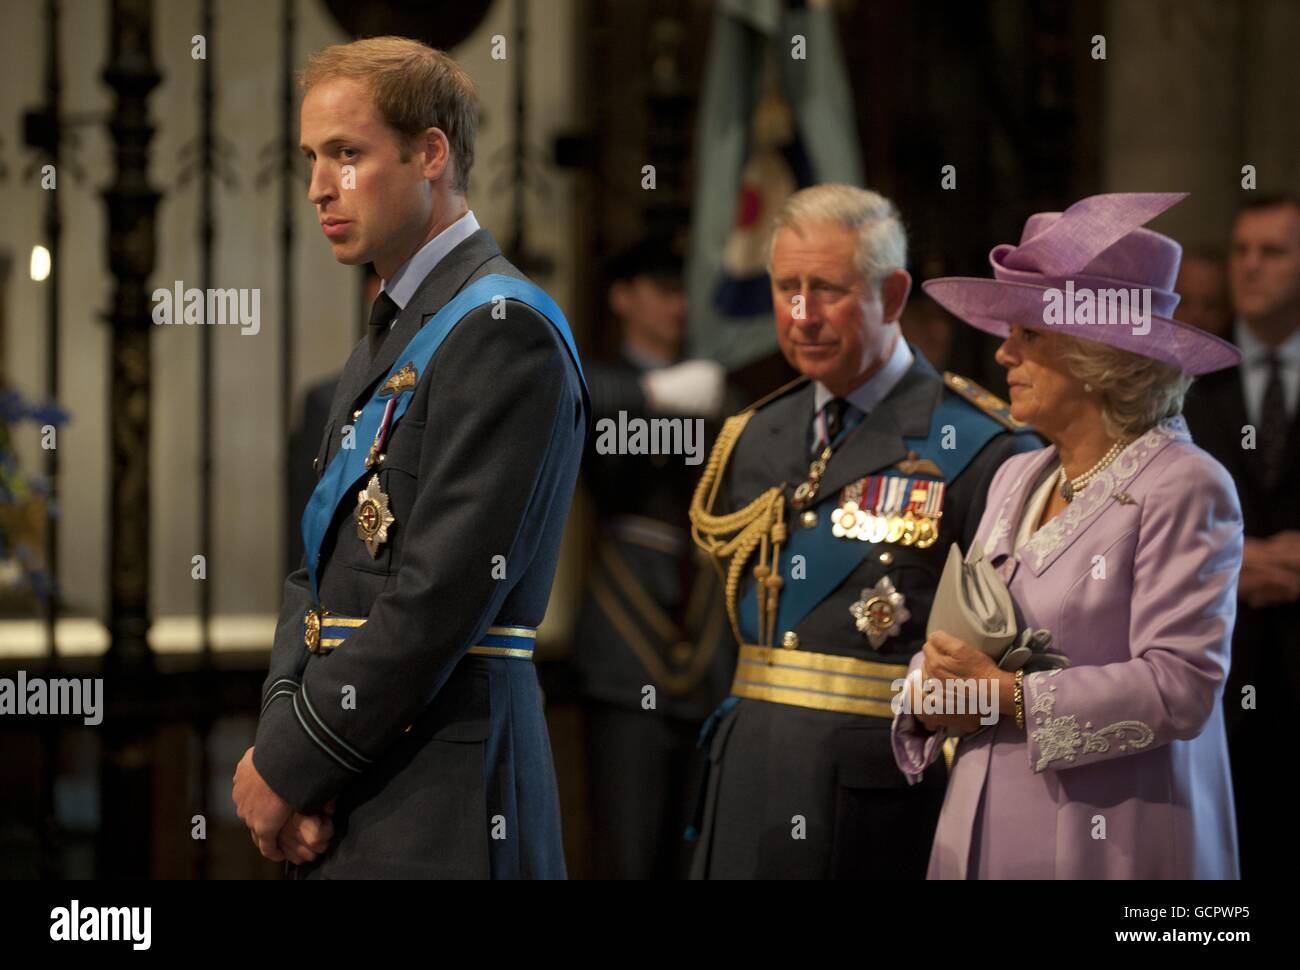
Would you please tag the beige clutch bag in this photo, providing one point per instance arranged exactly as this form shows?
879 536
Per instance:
973 604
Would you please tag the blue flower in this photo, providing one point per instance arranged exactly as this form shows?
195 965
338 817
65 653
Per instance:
12 407
48 413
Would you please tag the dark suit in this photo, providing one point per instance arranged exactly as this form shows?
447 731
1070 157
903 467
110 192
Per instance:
651 615
775 766
452 748
1265 642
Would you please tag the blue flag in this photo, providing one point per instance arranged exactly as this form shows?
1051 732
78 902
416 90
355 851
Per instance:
776 114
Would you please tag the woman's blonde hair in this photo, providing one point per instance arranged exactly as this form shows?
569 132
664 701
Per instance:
1136 392
414 87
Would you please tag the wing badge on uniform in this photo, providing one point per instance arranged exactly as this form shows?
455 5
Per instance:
914 464
404 380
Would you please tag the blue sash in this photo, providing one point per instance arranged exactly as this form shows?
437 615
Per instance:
349 464
828 561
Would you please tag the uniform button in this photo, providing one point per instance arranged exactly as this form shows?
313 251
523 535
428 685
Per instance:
356 414
315 463
887 557
790 640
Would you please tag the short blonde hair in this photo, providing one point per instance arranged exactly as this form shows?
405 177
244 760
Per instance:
1136 392
881 239
414 87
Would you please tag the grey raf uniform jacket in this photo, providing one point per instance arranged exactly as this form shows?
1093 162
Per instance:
440 766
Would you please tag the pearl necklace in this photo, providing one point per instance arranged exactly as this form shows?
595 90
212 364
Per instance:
1069 488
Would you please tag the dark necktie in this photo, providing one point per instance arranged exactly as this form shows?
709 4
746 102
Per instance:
838 412
1272 422
382 313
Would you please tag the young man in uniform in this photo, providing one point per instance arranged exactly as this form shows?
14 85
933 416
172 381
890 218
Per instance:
401 733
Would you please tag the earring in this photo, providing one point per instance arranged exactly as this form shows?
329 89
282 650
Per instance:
1088 388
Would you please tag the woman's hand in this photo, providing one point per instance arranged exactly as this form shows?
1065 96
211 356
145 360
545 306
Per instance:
947 658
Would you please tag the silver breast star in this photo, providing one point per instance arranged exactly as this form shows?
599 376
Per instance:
879 612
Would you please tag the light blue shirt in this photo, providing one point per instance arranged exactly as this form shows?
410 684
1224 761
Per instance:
1254 369
411 273
874 389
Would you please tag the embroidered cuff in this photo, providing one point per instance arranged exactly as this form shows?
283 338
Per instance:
1061 738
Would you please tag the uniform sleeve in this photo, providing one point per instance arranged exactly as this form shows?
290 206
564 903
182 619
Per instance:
1183 606
503 436
289 650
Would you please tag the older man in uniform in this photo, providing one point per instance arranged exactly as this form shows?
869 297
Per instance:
401 732
830 507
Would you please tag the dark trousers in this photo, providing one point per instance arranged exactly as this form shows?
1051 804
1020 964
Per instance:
644 769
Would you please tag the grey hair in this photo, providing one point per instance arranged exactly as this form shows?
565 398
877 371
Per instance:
881 239
1136 392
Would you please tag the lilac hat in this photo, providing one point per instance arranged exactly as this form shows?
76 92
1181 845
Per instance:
1096 274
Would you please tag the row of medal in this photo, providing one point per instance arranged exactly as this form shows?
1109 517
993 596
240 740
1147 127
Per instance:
890 508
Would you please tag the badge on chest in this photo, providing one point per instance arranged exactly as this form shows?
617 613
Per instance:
373 516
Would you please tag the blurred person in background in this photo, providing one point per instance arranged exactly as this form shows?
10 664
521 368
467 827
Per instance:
651 616
1247 418
1202 289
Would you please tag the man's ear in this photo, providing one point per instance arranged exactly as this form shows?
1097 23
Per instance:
894 290
437 154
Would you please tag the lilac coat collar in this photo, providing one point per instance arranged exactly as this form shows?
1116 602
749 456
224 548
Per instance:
1051 540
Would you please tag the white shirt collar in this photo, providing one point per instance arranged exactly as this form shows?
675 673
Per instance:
411 273
1254 350
876 388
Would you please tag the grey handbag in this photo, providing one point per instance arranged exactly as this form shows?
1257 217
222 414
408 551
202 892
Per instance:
974 605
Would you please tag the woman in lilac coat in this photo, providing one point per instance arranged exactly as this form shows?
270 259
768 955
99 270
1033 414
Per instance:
1123 540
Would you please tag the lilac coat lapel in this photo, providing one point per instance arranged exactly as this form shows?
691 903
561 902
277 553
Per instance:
1048 543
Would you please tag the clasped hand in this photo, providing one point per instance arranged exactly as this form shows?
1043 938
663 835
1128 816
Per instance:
280 833
947 658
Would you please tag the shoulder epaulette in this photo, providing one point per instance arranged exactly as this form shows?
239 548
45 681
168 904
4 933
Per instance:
984 400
